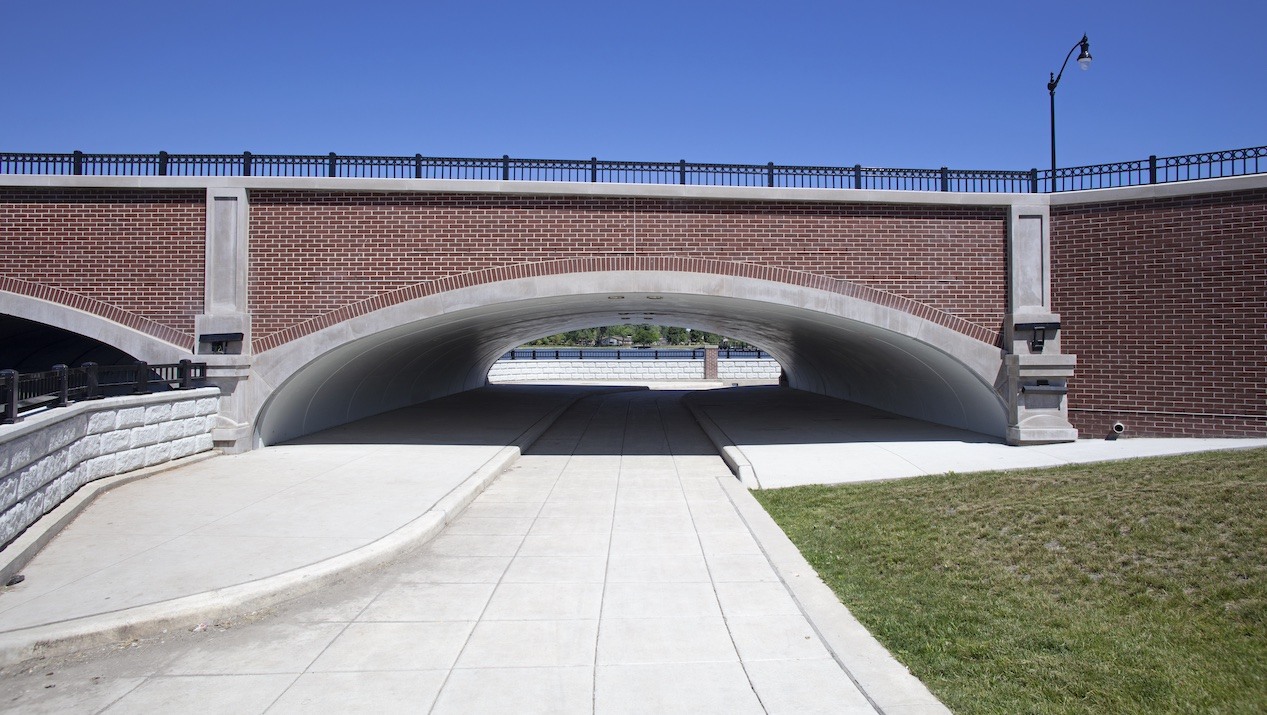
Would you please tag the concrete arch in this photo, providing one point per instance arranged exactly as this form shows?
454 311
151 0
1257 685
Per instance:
129 340
828 342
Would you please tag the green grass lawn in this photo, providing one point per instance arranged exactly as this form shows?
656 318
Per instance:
1122 587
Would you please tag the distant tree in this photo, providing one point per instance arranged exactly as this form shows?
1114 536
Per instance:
640 334
646 335
585 336
674 335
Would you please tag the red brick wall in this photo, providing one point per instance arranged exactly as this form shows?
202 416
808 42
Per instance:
1163 301
132 255
313 253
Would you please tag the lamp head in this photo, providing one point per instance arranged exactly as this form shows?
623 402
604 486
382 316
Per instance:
1084 57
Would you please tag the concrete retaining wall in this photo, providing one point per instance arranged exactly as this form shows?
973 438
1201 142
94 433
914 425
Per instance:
513 370
47 456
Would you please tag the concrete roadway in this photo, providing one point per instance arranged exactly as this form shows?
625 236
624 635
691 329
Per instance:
617 567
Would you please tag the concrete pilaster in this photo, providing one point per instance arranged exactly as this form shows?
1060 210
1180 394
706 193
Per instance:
225 308
1036 372
226 312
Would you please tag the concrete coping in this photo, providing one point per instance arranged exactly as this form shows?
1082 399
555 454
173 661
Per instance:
575 188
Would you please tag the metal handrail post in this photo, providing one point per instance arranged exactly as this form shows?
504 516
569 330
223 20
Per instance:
142 384
10 380
63 385
91 384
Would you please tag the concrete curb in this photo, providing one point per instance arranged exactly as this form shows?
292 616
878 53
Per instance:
19 552
56 639
885 682
730 453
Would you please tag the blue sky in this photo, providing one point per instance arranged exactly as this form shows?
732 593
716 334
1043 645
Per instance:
897 84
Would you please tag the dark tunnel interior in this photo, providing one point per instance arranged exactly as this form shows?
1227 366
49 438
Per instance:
28 346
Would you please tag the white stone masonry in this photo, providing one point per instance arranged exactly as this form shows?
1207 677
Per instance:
49 455
516 370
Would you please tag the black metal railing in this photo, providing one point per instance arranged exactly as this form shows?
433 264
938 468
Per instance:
1164 170
631 354
1153 170
24 392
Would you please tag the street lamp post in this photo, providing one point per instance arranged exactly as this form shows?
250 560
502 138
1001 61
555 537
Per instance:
1084 61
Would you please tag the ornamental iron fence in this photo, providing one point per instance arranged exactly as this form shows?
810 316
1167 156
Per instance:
25 392
1153 170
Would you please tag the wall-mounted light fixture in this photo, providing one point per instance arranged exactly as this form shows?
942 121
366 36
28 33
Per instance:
1039 332
220 343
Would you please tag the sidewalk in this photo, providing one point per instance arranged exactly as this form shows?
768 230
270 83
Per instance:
616 568
243 531
788 438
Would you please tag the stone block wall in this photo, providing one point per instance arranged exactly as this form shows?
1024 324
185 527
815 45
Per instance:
48 456
513 370
747 370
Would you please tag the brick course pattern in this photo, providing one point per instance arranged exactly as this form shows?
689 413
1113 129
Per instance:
318 258
1163 301
134 256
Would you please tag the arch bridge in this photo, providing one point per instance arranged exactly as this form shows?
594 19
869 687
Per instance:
317 301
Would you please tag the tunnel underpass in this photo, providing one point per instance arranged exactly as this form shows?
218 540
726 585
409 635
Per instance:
826 343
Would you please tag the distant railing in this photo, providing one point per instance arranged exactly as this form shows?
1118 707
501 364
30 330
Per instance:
1153 170
631 354
24 392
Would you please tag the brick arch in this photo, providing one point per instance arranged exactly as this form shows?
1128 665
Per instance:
129 332
630 263
92 306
